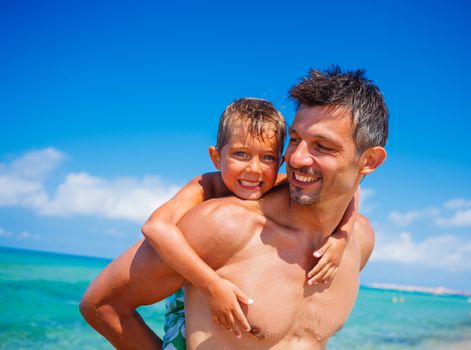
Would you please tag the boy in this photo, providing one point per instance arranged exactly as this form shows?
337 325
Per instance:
248 154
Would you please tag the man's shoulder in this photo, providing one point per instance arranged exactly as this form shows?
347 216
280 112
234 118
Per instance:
222 225
235 211
216 209
364 233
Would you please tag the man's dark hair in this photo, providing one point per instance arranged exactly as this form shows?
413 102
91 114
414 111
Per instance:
351 90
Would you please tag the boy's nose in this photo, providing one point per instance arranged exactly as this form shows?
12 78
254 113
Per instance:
254 166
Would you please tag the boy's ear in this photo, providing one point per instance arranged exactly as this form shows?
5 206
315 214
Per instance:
371 159
215 157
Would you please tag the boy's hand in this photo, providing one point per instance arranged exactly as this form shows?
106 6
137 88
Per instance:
330 254
224 298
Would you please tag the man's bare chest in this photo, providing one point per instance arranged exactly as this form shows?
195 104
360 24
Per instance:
284 305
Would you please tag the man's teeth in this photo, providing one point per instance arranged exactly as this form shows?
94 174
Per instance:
250 183
302 178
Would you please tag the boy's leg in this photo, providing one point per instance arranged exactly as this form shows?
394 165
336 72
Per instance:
138 277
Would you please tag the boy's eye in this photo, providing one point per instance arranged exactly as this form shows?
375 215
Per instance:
240 154
269 158
293 140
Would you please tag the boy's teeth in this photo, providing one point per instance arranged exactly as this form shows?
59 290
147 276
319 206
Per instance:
250 183
305 178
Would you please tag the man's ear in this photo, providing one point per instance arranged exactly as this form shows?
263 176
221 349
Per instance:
215 157
371 159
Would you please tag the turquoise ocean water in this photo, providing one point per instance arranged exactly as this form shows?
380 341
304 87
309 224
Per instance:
40 292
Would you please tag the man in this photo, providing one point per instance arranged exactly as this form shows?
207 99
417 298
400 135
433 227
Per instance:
265 247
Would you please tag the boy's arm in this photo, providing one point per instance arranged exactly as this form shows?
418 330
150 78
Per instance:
167 239
331 251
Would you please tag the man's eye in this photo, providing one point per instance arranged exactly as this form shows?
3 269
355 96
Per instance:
293 140
323 148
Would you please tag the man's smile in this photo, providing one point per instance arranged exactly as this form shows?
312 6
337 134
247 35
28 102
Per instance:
306 179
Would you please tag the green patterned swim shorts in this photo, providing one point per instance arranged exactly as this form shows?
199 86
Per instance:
174 338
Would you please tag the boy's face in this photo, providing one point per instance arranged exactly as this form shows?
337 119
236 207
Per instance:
249 164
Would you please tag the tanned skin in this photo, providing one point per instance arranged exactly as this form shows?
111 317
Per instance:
264 246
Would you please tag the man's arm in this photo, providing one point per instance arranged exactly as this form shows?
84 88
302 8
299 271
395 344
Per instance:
138 277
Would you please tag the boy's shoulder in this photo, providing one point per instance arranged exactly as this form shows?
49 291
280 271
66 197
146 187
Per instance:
213 184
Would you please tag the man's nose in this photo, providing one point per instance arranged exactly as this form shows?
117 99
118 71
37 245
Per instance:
300 157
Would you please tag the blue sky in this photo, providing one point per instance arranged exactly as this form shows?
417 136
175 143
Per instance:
107 108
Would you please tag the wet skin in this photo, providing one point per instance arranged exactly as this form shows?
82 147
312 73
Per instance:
264 246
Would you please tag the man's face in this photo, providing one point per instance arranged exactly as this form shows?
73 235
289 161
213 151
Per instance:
321 160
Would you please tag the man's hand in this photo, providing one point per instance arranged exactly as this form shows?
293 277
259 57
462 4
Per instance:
224 298
330 254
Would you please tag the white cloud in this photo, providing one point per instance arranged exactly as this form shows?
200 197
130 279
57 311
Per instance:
404 219
460 218
29 235
453 213
5 233
16 191
21 181
458 203
445 251
21 235
115 233
22 184
365 194
122 198
36 164
366 204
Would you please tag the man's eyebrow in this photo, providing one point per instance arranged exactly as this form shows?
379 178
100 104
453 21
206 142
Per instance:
323 137
316 136
327 138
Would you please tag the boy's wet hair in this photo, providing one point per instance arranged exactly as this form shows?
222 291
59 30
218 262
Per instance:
351 90
259 113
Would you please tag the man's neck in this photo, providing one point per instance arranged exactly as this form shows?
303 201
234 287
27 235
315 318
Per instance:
319 219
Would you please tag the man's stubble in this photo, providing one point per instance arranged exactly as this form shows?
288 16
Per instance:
299 197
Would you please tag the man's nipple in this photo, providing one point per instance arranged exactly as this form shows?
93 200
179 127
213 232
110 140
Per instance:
256 331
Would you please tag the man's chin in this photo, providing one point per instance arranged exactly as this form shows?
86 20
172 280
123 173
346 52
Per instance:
304 199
